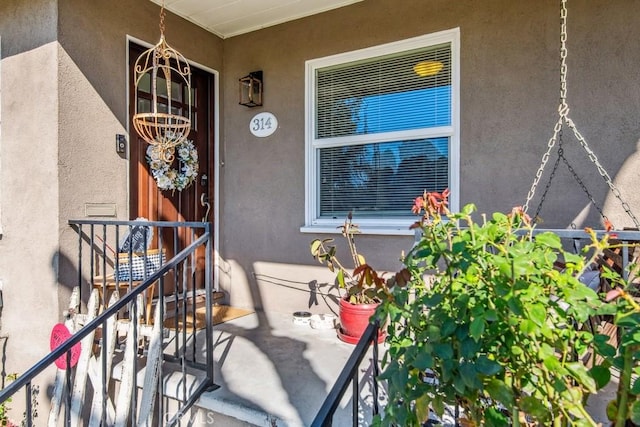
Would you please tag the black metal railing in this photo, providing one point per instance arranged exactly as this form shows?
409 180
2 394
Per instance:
178 290
626 243
349 375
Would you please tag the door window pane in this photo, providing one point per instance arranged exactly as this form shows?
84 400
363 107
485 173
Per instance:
145 83
144 105
161 87
176 91
193 96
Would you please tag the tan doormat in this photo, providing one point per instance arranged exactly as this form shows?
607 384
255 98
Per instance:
224 313
221 314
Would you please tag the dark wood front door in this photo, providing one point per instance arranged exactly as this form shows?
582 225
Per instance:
190 204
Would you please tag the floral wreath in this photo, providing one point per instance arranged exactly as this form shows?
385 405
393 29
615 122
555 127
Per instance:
169 178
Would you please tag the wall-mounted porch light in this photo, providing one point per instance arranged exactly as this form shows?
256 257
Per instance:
250 87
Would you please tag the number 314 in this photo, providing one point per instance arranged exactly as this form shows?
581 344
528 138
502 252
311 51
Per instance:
261 123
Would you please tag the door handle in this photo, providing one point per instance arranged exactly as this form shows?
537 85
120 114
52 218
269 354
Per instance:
204 201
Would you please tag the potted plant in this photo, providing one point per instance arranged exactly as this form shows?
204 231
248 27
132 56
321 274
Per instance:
488 324
361 288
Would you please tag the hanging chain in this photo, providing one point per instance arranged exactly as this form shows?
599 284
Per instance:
563 110
536 217
543 164
582 185
162 15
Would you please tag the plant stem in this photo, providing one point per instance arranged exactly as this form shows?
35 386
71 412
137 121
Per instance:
586 416
624 385
348 233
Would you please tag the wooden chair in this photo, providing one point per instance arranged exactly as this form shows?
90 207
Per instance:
108 285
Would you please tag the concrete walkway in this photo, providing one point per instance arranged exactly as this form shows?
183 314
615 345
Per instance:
272 372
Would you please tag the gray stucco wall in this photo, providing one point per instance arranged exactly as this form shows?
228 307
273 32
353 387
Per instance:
509 97
64 98
29 180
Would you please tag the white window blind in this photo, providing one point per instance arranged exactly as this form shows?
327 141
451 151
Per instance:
381 179
385 94
383 129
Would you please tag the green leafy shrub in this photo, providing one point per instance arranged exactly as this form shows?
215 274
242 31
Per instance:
490 323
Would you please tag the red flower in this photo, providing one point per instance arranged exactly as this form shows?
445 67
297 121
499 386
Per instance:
432 203
608 225
614 294
437 202
519 212
418 204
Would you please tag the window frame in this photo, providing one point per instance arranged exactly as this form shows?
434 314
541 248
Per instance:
384 226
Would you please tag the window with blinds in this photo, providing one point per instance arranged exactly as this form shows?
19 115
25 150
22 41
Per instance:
382 129
385 94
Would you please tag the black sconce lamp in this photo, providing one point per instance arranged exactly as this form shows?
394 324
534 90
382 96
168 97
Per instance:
251 89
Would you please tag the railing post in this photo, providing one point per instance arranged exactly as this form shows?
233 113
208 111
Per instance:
625 260
355 398
208 301
67 406
375 371
28 391
79 262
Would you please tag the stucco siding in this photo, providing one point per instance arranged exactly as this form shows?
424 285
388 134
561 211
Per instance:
510 85
29 180
27 24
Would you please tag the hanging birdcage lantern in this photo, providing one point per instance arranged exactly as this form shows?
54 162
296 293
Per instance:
162 125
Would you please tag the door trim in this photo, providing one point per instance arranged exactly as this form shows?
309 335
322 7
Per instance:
216 149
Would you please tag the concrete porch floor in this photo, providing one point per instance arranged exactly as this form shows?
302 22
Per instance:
272 372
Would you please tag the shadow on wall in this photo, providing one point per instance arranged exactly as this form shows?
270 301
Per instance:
67 274
626 180
68 278
3 360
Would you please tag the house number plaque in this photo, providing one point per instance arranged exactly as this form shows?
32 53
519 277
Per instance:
263 124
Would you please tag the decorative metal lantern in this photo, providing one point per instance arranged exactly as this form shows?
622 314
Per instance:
250 87
160 126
